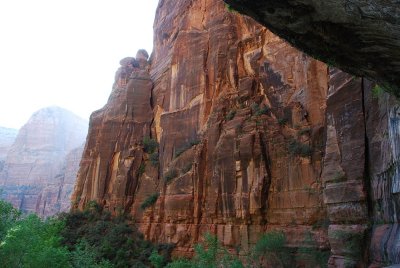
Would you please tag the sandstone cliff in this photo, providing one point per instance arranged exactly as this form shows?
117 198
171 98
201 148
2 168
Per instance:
360 37
252 135
36 166
7 137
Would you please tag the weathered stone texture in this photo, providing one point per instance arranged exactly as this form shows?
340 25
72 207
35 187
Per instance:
7 137
253 136
228 97
383 132
32 175
360 37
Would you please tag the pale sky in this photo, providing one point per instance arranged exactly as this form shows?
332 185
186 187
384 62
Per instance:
66 52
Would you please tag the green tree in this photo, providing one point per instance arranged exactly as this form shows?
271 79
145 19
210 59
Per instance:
270 251
8 217
210 254
30 242
85 256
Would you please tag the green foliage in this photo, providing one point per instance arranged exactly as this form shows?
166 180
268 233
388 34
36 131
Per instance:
377 92
149 145
32 242
8 217
230 8
170 175
352 242
186 147
208 255
322 223
339 177
85 256
313 257
181 151
141 169
92 205
310 256
230 115
156 260
99 240
154 159
257 110
187 168
282 121
270 251
180 263
298 148
89 238
194 142
149 201
304 131
270 242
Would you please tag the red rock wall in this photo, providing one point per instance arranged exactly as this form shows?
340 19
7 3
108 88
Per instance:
240 179
382 134
260 136
34 170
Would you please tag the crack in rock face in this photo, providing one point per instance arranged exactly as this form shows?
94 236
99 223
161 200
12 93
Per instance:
359 37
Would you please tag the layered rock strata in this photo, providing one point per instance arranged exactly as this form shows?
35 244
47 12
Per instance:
360 37
7 137
252 136
36 166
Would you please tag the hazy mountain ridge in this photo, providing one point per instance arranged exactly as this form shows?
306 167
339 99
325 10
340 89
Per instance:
36 163
7 138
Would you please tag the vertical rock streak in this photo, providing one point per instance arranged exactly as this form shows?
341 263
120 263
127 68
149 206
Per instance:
252 135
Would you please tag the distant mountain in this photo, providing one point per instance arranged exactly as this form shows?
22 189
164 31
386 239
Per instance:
33 175
7 137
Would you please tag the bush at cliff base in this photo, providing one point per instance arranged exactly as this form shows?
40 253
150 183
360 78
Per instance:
79 239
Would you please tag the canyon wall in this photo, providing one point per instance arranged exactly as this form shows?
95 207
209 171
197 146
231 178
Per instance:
40 167
230 130
7 137
360 37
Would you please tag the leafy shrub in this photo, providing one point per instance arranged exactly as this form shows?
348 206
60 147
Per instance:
230 115
377 92
149 145
89 238
282 121
310 256
8 217
270 242
92 205
208 255
186 147
154 158
263 110
304 131
339 177
141 169
187 168
170 175
300 149
99 240
270 251
32 242
181 151
149 201
230 8
194 142
352 242
156 260
257 110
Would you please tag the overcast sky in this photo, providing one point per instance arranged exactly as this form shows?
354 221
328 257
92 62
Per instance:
65 52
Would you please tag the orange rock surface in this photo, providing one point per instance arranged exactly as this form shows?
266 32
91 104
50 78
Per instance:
253 136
